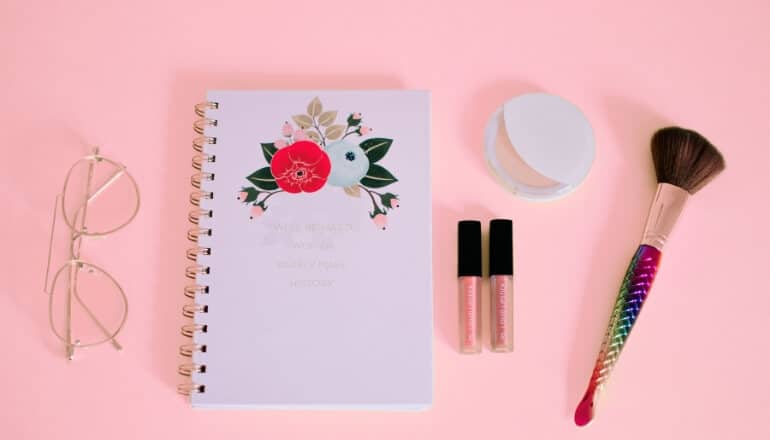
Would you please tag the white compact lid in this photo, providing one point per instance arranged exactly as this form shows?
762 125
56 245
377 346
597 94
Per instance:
550 135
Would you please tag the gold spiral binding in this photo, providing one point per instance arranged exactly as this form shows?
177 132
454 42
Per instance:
189 389
189 310
201 163
200 125
193 290
192 253
199 143
189 330
187 350
197 179
193 271
195 215
197 196
199 159
194 234
201 107
189 369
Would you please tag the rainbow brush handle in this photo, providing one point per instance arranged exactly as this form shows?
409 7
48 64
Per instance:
633 292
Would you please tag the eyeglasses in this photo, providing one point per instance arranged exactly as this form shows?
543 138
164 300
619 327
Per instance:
87 306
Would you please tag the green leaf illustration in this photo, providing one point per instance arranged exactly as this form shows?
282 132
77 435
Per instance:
377 177
269 150
376 148
263 179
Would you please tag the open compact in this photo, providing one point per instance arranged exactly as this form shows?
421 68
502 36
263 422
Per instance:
539 146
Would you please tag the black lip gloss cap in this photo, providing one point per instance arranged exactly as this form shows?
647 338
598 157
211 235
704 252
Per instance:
501 247
469 248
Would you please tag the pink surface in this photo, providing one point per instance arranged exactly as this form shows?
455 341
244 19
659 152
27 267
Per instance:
126 76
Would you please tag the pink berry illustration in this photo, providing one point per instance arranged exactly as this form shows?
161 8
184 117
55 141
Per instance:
299 135
380 220
287 129
256 211
394 203
363 131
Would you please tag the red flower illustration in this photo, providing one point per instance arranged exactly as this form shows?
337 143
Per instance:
301 167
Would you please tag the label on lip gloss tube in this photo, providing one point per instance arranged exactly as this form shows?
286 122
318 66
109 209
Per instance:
470 314
502 312
469 308
502 305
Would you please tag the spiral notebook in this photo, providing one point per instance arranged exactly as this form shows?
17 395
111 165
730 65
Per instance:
312 258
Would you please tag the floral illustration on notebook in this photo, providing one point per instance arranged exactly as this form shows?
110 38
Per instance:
318 152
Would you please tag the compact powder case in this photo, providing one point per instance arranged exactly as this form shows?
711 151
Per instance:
539 146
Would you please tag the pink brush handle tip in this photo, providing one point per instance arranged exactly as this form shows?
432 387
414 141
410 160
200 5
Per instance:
584 412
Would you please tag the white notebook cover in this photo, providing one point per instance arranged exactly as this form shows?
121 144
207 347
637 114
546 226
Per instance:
313 304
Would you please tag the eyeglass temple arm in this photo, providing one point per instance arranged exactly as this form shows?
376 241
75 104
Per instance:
50 245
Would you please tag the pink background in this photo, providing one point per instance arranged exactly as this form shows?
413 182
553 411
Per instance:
126 75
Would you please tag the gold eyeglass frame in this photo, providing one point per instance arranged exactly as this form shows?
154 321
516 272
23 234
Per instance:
78 230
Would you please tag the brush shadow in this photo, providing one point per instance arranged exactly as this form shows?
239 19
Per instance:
189 88
632 125
445 291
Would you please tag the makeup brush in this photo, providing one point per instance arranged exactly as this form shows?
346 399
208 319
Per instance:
684 163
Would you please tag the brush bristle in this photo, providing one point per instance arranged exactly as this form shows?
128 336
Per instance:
684 158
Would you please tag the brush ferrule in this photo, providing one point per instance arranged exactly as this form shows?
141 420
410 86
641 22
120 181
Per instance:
664 212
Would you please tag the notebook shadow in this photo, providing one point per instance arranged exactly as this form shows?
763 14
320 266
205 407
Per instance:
632 124
189 88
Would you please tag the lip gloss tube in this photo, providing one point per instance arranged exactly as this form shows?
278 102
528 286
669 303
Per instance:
469 285
501 284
